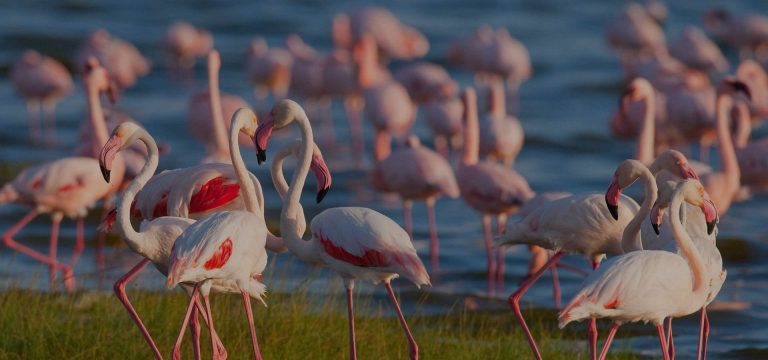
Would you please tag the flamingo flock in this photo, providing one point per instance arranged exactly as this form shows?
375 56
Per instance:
204 227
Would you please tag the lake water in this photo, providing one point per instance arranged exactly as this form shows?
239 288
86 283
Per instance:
564 109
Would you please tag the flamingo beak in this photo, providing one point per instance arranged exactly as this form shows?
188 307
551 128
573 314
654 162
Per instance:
710 214
656 228
261 139
321 194
322 174
657 215
612 198
107 155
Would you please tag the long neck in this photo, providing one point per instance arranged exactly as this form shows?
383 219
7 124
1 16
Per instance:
292 224
743 125
382 146
254 200
276 171
686 246
219 131
96 117
136 240
645 142
498 104
471 131
630 239
728 160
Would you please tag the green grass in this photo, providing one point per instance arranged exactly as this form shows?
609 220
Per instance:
300 325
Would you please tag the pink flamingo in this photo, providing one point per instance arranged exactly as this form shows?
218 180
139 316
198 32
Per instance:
96 81
494 55
426 81
42 81
357 243
414 172
747 33
269 69
606 293
394 39
501 135
184 42
443 117
634 32
121 59
489 188
754 76
697 51
208 113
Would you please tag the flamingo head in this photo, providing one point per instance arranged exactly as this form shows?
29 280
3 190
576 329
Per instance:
694 194
626 174
322 174
637 89
282 114
97 77
122 137
732 86
674 162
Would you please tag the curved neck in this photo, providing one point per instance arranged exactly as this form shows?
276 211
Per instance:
219 130
292 223
471 132
136 240
276 170
645 142
630 239
686 246
253 200
96 117
728 160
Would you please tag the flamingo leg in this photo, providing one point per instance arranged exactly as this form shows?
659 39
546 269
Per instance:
194 329
207 301
434 243
176 354
33 119
556 293
221 352
489 252
608 341
414 348
119 289
407 217
49 112
53 247
13 244
662 341
251 326
514 301
501 228
703 335
79 242
353 107
670 341
350 285
592 338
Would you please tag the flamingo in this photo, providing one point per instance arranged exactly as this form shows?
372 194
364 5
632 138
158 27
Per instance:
754 76
184 42
589 229
647 285
697 51
393 38
426 81
414 172
356 242
501 135
121 59
269 69
42 81
749 33
491 189
634 33
207 114
443 117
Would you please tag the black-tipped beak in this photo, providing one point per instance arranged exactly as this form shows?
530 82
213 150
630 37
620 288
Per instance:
614 209
261 155
321 194
711 227
105 173
656 228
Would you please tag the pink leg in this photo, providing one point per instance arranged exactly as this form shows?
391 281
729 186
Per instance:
194 329
207 301
592 338
556 293
670 341
351 318
408 217
49 112
79 242
514 301
11 243
354 114
123 297
703 335
489 252
608 340
501 224
176 354
434 244
251 326
662 341
221 352
33 119
53 246
414 348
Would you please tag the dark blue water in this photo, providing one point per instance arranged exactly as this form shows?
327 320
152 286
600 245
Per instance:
564 110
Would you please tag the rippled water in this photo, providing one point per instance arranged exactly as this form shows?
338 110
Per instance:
564 110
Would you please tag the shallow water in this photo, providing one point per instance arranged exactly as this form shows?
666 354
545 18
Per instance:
564 110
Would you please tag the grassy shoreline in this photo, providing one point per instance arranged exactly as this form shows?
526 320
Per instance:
300 325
